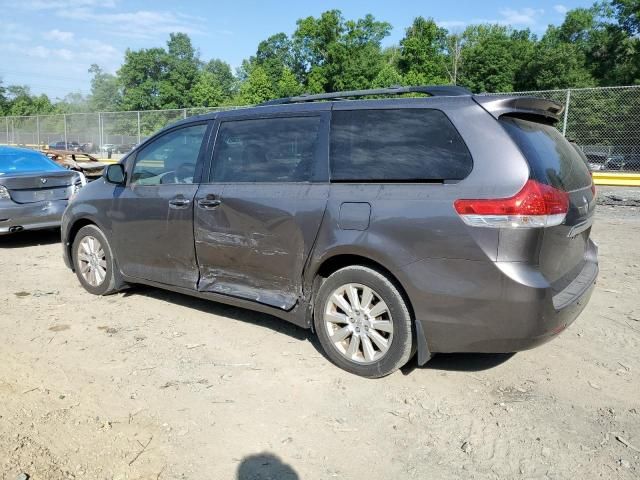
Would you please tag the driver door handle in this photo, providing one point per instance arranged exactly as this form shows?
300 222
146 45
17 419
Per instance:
179 202
209 202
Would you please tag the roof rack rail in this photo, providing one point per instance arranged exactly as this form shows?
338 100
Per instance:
433 90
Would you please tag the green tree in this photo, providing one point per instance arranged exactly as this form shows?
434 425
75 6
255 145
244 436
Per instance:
223 76
338 54
423 50
628 15
23 103
105 91
141 76
156 78
275 54
388 76
207 91
490 59
182 65
74 102
4 101
314 37
257 88
557 63
288 84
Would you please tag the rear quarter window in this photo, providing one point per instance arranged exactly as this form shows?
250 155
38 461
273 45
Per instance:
552 159
401 145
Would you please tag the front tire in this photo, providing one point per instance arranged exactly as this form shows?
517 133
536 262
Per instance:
363 322
93 261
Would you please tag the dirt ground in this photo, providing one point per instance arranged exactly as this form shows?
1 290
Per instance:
154 385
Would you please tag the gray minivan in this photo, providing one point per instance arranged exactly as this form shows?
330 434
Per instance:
448 223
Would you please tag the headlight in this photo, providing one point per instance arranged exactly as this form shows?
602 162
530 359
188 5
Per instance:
4 193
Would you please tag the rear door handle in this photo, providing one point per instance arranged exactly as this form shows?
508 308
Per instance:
179 202
209 203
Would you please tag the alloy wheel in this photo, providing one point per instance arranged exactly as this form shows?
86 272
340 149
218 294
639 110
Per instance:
92 261
359 323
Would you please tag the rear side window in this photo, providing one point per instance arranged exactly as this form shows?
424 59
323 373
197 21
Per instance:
552 159
409 145
266 150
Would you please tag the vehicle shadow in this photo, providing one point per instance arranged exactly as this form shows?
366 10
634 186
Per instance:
265 466
216 308
30 238
459 362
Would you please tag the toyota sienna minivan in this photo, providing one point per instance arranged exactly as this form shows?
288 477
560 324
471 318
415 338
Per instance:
388 226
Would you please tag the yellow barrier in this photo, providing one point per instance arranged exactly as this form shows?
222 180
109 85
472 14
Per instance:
617 179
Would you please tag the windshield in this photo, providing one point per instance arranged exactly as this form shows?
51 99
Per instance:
25 161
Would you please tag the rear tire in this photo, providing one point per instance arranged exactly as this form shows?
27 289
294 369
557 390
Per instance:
362 322
93 262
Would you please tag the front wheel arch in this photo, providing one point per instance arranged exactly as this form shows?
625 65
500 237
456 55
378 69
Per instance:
73 232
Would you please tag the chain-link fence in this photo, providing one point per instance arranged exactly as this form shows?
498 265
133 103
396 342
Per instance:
604 123
103 133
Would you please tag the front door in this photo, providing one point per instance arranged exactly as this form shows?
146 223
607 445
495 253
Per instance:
153 215
257 220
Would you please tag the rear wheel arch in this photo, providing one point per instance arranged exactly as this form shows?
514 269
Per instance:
336 262
390 344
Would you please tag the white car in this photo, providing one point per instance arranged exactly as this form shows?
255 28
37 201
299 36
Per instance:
108 146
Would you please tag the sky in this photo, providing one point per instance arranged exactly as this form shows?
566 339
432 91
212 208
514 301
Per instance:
50 44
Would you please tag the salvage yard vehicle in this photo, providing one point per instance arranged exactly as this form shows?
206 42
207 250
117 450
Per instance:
70 146
623 162
448 223
89 165
33 190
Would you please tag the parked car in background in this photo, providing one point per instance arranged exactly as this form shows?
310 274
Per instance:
34 190
455 223
125 147
596 160
88 147
77 161
71 146
623 162
108 147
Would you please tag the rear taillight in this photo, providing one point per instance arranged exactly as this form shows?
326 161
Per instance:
536 205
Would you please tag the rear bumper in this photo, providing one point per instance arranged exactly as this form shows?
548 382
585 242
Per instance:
32 216
493 308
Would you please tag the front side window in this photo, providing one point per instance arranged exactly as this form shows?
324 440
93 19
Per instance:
169 159
403 145
266 150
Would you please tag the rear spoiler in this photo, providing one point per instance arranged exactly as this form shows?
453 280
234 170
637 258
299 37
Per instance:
499 105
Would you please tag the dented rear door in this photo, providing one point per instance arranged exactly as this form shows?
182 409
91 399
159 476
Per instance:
257 219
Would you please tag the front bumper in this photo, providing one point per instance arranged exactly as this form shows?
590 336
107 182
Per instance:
469 306
31 216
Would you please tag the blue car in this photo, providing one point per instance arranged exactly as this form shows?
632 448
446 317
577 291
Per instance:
34 190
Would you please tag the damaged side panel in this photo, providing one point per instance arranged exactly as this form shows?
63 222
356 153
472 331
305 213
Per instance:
254 244
153 240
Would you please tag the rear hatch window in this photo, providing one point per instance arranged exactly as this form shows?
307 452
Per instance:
552 159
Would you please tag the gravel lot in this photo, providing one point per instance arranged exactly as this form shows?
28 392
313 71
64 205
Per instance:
154 385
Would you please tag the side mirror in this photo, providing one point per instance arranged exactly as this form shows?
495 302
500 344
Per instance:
115 174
